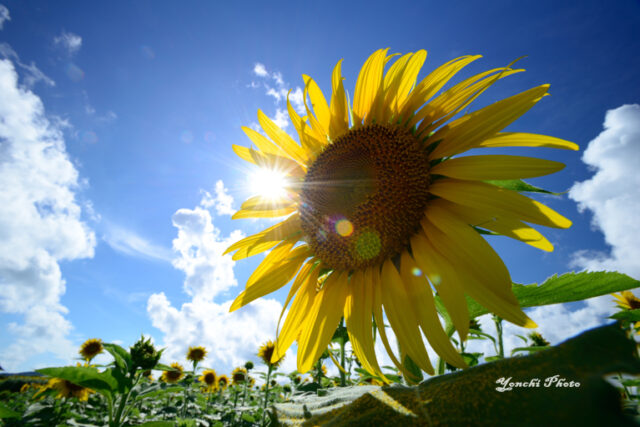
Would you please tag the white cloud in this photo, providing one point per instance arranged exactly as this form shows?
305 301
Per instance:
280 90
222 202
556 323
282 118
260 70
230 338
40 221
129 243
33 74
4 15
70 42
613 193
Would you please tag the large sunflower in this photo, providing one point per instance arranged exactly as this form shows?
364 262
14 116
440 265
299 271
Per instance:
381 210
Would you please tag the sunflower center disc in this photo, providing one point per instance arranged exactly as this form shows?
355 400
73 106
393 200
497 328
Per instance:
364 196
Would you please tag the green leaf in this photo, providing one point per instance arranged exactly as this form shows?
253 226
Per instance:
120 355
519 185
8 413
568 287
158 424
248 418
161 367
102 382
630 315
532 349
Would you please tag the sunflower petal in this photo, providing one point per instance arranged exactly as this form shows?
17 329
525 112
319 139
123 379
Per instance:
446 284
503 225
300 309
262 142
408 80
270 213
309 139
318 103
420 294
491 199
273 279
402 318
280 137
467 131
261 203
266 239
368 84
339 107
243 153
326 313
357 315
278 163
496 167
518 139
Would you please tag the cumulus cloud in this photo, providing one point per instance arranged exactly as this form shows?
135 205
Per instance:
32 74
231 338
40 220
222 202
260 70
70 42
613 193
4 15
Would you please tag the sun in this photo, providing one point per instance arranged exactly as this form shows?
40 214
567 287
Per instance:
268 183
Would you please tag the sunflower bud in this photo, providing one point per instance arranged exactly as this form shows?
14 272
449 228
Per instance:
144 354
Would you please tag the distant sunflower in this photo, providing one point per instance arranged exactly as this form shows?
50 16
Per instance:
209 379
174 375
91 348
67 389
223 382
239 376
380 205
627 301
196 354
266 352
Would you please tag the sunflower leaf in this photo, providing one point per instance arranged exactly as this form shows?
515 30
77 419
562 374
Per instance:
630 315
8 413
520 185
102 382
120 356
568 287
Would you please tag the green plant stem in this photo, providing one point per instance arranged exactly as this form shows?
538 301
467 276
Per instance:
343 378
498 322
123 402
266 393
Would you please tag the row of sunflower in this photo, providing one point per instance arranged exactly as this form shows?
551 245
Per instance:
126 391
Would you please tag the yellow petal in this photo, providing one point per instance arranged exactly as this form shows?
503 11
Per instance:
357 315
491 199
266 239
448 286
262 142
261 203
408 80
326 316
402 318
421 297
481 288
281 138
273 279
300 309
309 139
339 108
467 131
517 139
432 83
501 224
271 213
368 84
495 167
243 153
453 237
279 164
450 103
318 103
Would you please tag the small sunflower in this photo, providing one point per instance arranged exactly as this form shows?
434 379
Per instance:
223 382
209 378
91 348
266 352
67 389
538 340
381 205
196 354
174 375
239 376
627 301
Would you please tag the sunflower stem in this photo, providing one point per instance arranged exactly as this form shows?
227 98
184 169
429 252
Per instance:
266 393
498 322
343 378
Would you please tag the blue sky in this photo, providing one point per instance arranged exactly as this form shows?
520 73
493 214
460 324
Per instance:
120 176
